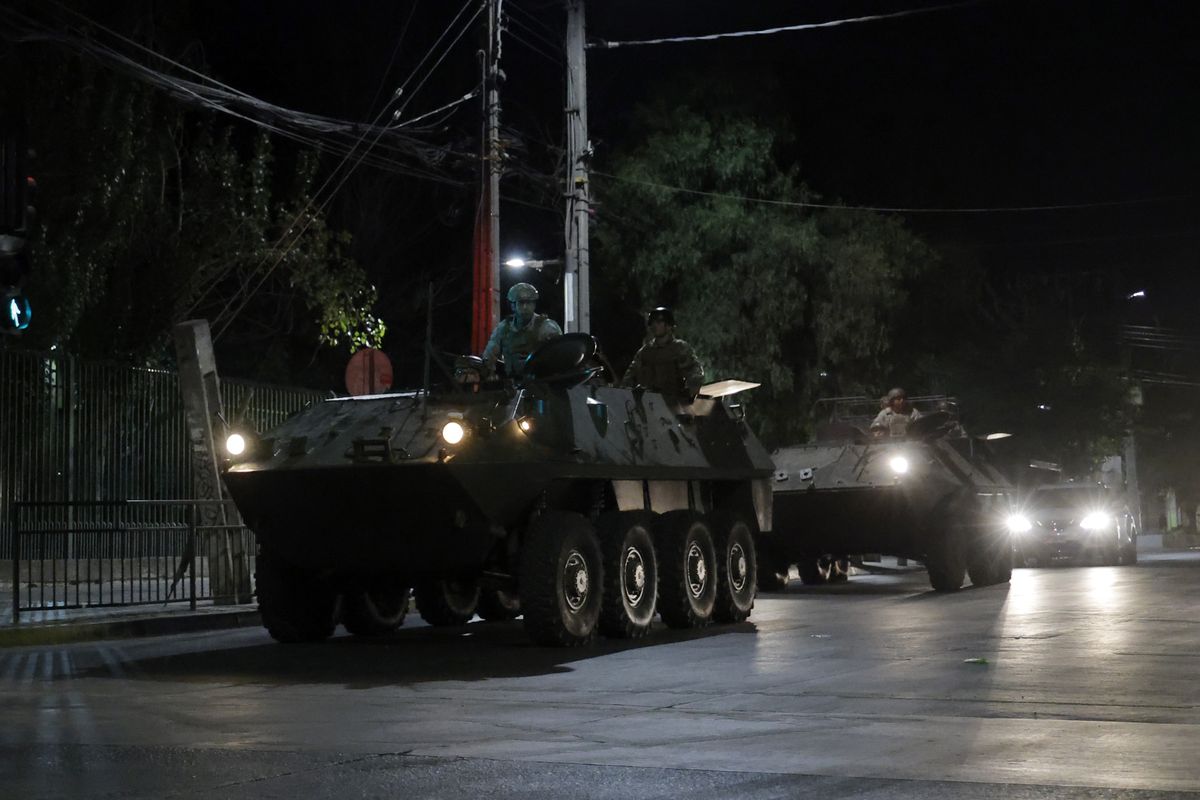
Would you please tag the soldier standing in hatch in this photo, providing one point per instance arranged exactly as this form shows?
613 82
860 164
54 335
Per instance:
894 418
665 364
519 335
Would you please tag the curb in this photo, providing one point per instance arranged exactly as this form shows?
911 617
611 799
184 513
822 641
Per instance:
71 632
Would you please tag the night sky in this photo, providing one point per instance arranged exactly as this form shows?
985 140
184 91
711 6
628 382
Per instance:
989 104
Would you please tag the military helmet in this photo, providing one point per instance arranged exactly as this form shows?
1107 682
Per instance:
896 393
663 313
522 291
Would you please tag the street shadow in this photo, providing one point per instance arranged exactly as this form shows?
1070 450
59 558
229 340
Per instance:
474 652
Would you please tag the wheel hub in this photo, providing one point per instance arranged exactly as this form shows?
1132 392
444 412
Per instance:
634 571
738 567
697 570
575 580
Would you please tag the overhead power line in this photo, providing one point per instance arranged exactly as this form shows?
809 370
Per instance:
887 209
833 23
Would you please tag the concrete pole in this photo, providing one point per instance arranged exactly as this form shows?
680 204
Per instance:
577 314
495 158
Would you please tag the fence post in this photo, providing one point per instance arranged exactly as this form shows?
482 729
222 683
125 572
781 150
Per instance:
16 577
192 544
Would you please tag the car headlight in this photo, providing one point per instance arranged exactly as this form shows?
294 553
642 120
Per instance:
898 464
525 424
235 444
1096 520
1018 523
453 432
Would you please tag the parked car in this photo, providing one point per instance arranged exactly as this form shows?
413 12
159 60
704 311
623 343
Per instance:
1080 522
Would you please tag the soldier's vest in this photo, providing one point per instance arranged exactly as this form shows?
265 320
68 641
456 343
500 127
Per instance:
516 345
659 368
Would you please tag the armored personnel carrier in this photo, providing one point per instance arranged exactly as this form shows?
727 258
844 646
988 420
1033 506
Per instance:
929 494
583 507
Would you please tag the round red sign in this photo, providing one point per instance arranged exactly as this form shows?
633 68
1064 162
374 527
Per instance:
369 372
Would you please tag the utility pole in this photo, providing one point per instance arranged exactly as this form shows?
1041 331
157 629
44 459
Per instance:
495 160
577 315
485 303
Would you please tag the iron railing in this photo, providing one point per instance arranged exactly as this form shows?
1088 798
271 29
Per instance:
127 553
74 430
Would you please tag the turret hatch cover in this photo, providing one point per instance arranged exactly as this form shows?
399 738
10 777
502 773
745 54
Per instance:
726 388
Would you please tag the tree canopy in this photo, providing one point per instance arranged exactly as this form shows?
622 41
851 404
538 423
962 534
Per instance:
704 209
703 213
152 212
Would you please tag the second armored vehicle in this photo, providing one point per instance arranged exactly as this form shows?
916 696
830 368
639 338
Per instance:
583 507
931 495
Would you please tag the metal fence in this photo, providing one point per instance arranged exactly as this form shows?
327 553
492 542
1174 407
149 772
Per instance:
137 552
76 431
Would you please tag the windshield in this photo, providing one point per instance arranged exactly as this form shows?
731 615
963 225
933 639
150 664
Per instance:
1071 497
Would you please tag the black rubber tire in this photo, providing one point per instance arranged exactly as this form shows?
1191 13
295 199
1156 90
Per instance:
561 579
1110 553
990 560
445 602
945 562
774 578
839 569
630 574
737 568
376 610
687 583
295 606
1129 553
498 605
813 571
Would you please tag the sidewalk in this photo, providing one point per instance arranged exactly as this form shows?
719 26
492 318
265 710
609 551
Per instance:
64 626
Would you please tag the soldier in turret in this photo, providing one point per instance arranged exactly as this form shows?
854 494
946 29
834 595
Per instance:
665 364
894 418
519 335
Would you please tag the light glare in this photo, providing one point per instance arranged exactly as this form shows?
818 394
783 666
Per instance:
235 445
453 432
898 464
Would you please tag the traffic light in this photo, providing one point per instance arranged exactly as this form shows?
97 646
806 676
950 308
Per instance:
17 219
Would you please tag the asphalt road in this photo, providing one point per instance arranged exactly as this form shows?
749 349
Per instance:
1070 682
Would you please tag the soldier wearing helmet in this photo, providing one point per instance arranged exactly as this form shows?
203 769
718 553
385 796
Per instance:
893 419
665 364
519 335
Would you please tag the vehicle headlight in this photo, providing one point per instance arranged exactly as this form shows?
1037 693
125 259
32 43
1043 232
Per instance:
1018 523
1095 521
453 432
525 424
235 444
898 464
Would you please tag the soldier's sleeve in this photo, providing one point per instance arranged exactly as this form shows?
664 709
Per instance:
548 330
491 350
690 368
880 420
630 379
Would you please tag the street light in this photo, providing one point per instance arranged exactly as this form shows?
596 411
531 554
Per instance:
538 264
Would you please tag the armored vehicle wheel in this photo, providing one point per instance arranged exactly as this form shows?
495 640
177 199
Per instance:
774 577
737 569
295 605
498 605
945 562
839 569
376 610
447 602
990 561
813 571
1110 553
687 584
562 579
630 574
1129 553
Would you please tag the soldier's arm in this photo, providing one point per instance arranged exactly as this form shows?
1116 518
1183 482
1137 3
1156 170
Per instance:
690 368
491 350
630 379
548 330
